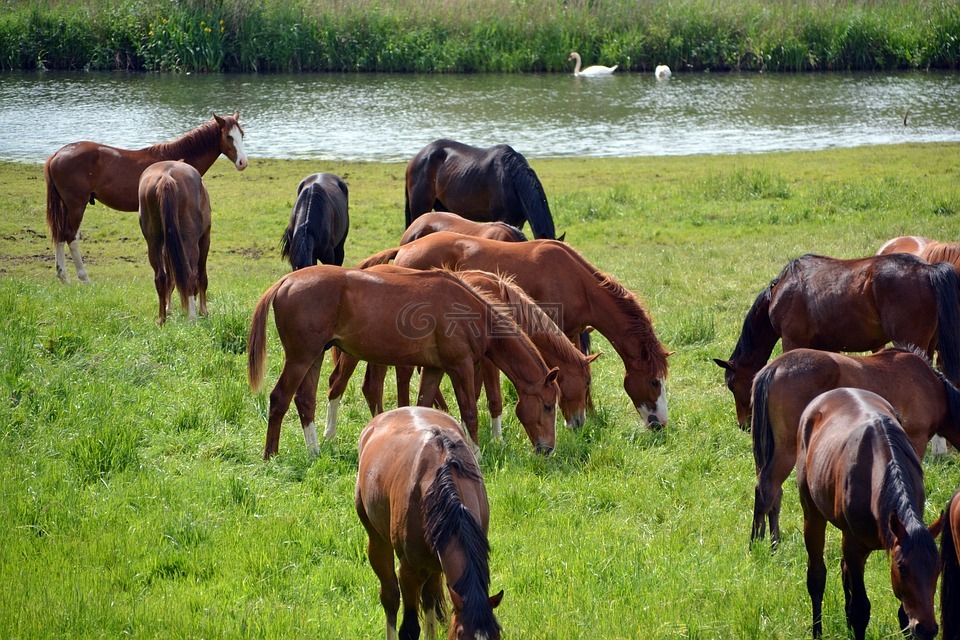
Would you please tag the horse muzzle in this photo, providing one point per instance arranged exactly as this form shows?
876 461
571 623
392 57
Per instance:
544 449
576 420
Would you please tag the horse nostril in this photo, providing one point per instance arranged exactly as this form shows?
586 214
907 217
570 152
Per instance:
654 424
544 449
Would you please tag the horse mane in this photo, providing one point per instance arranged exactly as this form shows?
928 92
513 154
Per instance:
950 575
193 143
950 390
532 197
640 323
897 494
446 518
942 252
528 314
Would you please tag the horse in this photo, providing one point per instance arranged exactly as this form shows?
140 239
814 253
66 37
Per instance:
83 172
573 368
428 319
434 221
319 222
926 401
420 495
481 184
859 304
857 470
175 221
554 274
950 570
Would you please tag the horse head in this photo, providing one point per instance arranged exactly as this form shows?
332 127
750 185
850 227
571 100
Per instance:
914 569
537 412
739 381
231 139
459 627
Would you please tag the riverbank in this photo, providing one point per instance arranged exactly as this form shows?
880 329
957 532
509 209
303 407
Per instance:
451 36
136 503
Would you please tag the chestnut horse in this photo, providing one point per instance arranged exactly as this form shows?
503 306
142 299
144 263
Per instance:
420 496
434 221
573 368
926 401
175 221
857 469
905 244
848 305
950 571
428 319
319 222
84 172
481 184
553 273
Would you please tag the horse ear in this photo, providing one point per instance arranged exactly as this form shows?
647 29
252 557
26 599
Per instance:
896 526
220 121
495 600
723 364
300 186
670 353
593 356
236 115
937 526
455 599
562 237
552 375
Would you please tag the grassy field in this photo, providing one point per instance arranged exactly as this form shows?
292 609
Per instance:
443 36
135 501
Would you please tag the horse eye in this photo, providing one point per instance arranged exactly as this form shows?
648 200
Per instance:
655 384
548 407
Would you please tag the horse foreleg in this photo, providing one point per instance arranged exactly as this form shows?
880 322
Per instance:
78 261
343 367
490 377
381 559
463 386
854 591
431 602
410 585
372 387
403 375
202 272
306 401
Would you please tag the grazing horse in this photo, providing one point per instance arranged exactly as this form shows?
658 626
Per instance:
84 172
428 319
554 274
950 571
848 305
926 401
420 496
319 222
175 221
573 368
857 470
434 221
481 184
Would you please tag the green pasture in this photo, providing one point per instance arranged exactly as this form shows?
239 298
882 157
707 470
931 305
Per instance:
135 503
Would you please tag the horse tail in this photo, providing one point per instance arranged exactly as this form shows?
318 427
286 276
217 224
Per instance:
943 277
56 209
257 343
761 429
384 257
950 576
533 200
167 196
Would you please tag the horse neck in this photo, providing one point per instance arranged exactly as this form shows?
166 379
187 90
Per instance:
199 148
513 353
757 336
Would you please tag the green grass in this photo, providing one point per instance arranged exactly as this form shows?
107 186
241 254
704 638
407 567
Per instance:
135 501
493 36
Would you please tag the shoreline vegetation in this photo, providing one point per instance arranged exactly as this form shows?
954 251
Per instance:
502 36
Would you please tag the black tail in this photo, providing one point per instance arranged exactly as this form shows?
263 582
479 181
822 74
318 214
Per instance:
761 430
949 579
167 194
944 279
532 198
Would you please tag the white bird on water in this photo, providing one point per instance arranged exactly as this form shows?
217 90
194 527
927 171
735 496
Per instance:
593 70
662 72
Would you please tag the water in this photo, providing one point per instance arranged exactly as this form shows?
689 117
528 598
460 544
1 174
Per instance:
390 117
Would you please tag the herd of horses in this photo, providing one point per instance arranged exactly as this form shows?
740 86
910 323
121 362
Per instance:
465 294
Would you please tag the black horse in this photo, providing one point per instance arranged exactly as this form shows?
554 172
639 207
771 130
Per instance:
319 222
483 185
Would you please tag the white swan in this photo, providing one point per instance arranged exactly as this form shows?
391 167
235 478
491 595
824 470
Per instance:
662 72
594 70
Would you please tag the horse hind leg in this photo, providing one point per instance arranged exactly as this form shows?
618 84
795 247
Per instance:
78 261
381 560
306 401
202 272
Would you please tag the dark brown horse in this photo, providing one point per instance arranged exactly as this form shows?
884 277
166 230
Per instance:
420 496
926 401
428 319
573 368
175 221
856 469
434 221
318 224
481 184
848 305
554 274
85 172
950 571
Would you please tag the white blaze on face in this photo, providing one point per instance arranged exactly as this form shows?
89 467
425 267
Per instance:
237 139
659 414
